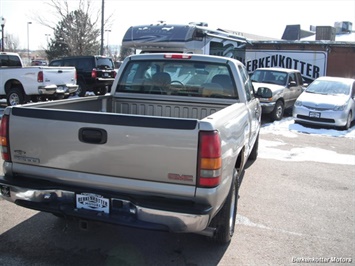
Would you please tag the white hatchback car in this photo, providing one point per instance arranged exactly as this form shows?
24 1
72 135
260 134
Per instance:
327 101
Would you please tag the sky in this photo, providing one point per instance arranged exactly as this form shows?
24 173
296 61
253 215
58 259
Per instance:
260 17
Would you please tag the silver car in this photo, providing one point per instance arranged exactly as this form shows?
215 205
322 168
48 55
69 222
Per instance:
328 101
277 89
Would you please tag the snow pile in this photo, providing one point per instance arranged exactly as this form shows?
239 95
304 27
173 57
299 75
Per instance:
276 149
288 128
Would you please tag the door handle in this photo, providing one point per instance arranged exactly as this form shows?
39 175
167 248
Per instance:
92 135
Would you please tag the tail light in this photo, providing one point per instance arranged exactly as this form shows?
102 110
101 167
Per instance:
113 74
209 159
5 147
94 73
40 76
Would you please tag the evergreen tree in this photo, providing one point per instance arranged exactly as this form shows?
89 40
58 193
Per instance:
74 35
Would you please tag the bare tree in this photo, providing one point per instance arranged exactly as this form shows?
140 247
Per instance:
11 43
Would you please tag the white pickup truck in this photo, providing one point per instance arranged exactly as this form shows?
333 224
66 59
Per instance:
20 84
164 150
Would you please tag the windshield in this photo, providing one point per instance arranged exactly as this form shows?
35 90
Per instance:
267 76
178 78
328 87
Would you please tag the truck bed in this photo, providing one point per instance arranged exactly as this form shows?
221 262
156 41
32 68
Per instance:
173 106
87 140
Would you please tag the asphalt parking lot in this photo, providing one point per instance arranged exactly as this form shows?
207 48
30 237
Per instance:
296 207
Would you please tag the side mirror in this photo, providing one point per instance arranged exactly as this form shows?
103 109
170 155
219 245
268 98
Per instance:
292 84
264 93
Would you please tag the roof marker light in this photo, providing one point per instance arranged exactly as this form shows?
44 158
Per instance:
177 56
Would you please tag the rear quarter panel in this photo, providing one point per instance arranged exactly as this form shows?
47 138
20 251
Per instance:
233 125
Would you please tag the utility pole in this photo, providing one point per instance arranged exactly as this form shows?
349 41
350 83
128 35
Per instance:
102 27
2 34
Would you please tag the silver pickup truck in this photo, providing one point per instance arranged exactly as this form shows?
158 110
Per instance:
164 150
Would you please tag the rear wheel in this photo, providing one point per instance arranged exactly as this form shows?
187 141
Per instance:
101 91
278 111
15 97
224 221
81 91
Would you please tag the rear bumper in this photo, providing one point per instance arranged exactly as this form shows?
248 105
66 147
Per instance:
66 89
47 90
123 210
57 89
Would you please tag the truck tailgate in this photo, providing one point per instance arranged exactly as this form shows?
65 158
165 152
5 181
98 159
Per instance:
128 146
59 76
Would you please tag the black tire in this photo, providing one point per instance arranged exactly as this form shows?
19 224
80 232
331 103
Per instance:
224 221
348 121
101 91
254 152
15 96
81 91
278 111
35 98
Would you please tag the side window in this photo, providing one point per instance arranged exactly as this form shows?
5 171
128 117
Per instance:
86 64
3 60
248 85
10 61
128 77
69 62
353 90
56 63
292 77
14 61
299 79
81 63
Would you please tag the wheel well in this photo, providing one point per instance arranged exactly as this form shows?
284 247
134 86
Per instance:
281 99
13 83
239 164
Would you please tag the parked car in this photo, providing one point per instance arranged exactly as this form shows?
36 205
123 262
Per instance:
328 101
39 62
95 73
278 89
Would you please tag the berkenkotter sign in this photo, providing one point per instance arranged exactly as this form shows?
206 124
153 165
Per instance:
311 64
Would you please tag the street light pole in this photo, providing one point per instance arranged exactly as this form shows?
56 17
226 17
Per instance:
102 27
108 31
28 41
2 34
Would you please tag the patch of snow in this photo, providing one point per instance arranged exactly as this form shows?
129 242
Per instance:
286 127
268 150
